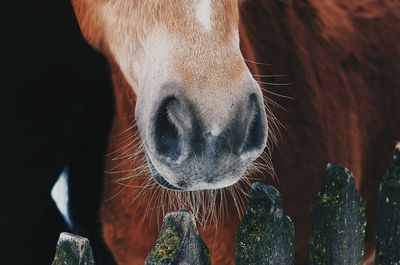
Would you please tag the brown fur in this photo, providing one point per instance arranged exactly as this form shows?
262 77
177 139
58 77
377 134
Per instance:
342 59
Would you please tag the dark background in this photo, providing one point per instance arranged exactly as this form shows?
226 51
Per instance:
56 104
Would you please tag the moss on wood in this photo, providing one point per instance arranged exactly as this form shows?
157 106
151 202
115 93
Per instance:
337 221
178 243
266 233
73 250
388 233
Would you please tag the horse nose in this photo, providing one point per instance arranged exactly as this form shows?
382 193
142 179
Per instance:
168 129
251 127
179 130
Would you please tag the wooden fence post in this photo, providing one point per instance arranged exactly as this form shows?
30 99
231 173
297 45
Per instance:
337 221
179 242
266 233
73 250
388 233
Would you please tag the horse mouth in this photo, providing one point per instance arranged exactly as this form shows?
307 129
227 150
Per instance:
160 179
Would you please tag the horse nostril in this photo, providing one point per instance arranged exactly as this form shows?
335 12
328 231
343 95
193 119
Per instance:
166 133
256 127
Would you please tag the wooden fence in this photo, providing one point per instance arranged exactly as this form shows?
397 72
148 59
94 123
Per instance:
266 233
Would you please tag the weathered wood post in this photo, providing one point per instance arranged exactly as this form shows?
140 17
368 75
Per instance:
179 243
388 233
266 233
337 221
73 250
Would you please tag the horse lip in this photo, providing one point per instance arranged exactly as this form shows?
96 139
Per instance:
160 179
165 184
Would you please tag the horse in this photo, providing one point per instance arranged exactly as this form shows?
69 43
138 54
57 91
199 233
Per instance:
211 95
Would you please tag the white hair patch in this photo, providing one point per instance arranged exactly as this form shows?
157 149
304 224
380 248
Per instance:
203 13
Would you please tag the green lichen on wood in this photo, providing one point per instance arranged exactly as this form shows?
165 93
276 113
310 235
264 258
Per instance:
168 245
337 221
388 233
65 254
73 250
178 242
266 233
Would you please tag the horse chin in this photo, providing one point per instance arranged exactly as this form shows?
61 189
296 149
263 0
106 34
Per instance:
167 185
